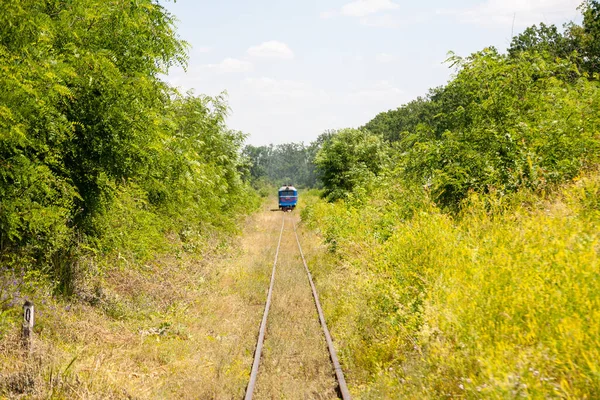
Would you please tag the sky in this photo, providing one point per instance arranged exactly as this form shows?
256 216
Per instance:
293 69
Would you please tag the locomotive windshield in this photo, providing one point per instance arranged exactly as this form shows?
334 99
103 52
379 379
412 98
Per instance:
286 193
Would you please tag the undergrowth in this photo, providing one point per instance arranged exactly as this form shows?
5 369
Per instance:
134 282
498 301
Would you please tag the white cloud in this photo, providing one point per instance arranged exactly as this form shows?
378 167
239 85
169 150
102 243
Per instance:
271 49
362 8
382 91
384 58
520 12
380 21
369 13
229 65
278 89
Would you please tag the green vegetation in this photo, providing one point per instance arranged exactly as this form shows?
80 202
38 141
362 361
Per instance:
115 191
462 244
98 156
348 161
485 304
285 163
462 248
282 164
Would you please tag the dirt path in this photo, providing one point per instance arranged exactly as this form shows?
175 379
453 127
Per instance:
295 363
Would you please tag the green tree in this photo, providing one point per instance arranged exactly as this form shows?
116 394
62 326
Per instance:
350 160
516 122
81 97
589 36
395 125
288 163
85 118
582 40
543 39
260 160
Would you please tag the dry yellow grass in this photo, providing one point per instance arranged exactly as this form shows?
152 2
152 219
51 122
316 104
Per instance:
498 302
180 328
295 363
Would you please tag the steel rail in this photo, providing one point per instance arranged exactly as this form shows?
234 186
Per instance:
343 388
263 324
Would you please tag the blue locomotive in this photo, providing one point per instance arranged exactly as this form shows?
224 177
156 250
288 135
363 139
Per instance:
288 197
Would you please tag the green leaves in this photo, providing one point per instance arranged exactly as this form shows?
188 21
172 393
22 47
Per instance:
349 161
502 124
87 128
505 122
283 164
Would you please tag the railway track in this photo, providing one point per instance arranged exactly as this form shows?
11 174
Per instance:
342 389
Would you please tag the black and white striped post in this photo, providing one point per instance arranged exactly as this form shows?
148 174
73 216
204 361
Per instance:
28 320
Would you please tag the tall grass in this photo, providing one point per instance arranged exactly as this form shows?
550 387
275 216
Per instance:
500 301
154 313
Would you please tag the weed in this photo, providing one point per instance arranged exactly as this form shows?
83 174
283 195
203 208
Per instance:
495 302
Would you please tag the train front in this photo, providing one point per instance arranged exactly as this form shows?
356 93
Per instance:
288 198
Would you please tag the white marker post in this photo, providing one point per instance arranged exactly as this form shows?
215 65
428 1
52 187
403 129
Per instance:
28 320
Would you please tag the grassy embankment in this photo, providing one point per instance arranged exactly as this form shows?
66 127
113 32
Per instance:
500 301
180 325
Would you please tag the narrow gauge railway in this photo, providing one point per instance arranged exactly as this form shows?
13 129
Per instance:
342 389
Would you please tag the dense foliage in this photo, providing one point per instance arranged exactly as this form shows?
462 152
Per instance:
464 262
503 123
288 163
87 128
461 228
348 161
524 119
497 302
